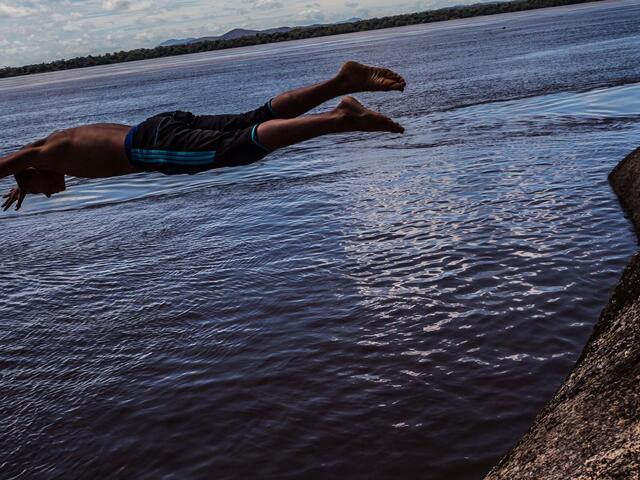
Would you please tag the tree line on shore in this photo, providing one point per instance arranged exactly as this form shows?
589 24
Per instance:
449 13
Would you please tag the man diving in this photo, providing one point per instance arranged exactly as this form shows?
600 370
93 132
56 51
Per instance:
180 142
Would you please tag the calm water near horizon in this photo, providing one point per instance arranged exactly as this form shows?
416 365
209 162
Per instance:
365 306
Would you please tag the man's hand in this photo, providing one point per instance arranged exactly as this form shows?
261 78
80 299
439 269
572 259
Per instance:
16 194
33 181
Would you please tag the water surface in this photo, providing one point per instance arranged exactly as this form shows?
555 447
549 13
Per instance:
361 306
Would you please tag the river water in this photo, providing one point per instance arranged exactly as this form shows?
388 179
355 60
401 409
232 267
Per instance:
365 306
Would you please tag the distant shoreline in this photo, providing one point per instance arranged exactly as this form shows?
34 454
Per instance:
298 33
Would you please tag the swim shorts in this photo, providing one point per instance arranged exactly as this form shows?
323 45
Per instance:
181 142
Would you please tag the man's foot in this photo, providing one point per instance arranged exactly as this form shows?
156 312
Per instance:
363 78
362 119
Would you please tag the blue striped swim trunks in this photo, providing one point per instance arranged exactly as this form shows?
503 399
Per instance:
180 142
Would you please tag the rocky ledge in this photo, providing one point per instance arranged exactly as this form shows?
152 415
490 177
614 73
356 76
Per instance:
591 427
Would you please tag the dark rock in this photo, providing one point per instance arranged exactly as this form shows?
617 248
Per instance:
591 427
625 180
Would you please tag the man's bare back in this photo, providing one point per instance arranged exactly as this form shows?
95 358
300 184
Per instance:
101 145
180 142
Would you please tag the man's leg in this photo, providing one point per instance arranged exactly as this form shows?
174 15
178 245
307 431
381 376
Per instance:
353 77
349 116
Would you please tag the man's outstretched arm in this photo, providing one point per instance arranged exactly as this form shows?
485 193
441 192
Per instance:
18 161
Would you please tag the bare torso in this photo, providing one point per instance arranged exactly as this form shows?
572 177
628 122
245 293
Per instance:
94 151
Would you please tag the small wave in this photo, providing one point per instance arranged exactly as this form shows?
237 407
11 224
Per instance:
87 194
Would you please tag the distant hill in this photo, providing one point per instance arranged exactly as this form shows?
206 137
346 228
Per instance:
242 32
176 41
230 35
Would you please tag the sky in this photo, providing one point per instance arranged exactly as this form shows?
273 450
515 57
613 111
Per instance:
34 31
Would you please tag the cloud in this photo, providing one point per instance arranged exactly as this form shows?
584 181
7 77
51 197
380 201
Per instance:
60 18
312 15
124 5
268 4
145 36
116 5
351 4
312 12
237 10
71 27
10 11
